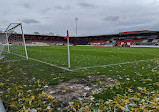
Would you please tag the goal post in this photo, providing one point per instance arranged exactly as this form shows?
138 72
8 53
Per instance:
12 44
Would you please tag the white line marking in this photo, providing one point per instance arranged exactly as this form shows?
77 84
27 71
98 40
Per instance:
114 64
50 64
43 62
87 67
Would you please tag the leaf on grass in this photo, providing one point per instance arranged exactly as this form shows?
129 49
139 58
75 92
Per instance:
64 91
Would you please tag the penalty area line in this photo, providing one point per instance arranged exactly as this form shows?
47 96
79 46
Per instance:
114 64
50 64
42 62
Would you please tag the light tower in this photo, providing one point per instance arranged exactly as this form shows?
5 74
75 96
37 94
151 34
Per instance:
76 19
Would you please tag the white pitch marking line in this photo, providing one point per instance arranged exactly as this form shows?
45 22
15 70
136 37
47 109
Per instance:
113 64
50 64
44 62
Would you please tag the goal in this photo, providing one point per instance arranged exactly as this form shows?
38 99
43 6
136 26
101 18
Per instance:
12 44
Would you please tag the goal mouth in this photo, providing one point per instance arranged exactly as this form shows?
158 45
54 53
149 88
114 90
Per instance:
12 44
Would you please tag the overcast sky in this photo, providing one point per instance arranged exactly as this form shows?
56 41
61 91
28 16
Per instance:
95 16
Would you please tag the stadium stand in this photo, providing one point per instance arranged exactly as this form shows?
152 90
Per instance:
98 42
145 37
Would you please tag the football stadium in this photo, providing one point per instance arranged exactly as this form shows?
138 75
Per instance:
115 72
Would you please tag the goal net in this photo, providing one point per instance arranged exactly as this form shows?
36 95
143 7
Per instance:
12 44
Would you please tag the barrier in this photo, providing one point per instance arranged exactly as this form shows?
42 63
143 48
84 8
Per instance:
144 46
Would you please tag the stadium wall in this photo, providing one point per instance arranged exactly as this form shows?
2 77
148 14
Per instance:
144 46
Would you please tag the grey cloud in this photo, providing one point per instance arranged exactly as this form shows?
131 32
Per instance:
46 10
62 7
155 27
111 18
58 7
47 17
30 21
86 5
26 5
104 16
155 2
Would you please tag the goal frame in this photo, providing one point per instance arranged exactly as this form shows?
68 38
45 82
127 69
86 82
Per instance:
10 40
23 38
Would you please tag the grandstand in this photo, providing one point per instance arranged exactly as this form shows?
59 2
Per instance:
135 38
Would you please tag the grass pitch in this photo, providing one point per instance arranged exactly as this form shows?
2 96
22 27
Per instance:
91 56
136 87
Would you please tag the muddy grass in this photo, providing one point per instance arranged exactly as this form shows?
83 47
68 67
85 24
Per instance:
78 89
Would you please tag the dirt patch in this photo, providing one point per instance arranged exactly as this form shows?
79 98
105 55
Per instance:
78 88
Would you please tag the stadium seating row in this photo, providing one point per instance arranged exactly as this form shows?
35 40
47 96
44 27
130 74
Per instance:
97 42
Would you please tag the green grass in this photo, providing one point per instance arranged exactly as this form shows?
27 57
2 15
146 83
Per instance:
13 49
22 76
91 56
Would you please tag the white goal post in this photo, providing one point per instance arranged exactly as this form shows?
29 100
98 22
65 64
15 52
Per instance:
12 44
